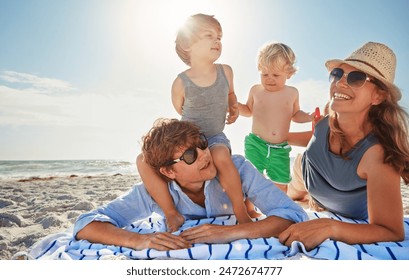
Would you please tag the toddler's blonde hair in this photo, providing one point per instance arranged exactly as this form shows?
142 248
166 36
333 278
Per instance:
277 56
189 31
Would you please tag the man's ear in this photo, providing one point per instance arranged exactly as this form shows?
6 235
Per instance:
168 172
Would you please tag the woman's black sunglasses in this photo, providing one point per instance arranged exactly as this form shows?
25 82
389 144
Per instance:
190 155
355 79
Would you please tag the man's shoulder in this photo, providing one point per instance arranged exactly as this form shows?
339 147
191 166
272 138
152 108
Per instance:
238 157
238 160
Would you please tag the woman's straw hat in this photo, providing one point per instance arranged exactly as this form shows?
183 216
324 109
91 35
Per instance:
375 59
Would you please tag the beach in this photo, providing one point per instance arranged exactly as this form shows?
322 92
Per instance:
33 208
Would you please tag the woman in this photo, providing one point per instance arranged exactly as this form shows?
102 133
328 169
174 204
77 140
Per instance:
358 154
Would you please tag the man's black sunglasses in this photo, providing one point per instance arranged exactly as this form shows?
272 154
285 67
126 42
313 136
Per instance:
190 155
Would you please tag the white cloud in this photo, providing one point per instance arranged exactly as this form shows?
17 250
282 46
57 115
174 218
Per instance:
29 106
44 85
77 124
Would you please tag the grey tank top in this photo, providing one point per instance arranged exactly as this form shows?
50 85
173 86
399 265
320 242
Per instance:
206 106
332 181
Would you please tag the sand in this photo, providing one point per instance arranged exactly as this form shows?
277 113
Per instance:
34 208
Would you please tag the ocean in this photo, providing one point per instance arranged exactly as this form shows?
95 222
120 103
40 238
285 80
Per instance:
24 169
12 169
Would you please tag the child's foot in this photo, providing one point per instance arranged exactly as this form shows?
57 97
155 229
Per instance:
254 214
242 214
251 209
174 221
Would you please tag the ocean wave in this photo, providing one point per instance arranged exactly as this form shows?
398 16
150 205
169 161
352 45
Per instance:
57 168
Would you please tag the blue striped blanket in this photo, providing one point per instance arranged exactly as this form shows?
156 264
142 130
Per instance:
61 246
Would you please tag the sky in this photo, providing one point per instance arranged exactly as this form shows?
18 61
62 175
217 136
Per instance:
86 79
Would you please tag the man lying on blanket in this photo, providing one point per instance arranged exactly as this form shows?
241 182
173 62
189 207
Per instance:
197 193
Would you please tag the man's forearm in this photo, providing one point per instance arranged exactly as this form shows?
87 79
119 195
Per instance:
107 233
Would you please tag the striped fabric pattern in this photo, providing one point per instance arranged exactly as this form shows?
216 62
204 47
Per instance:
62 246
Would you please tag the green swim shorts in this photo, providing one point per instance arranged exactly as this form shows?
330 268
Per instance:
272 158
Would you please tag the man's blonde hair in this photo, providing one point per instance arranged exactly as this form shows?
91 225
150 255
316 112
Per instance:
188 33
277 56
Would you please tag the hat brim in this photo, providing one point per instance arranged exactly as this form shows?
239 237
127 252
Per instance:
333 63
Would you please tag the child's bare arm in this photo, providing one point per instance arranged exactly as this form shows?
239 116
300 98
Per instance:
299 116
233 109
246 110
178 95
302 117
158 189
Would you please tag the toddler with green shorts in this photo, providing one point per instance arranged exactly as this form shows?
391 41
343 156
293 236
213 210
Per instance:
273 105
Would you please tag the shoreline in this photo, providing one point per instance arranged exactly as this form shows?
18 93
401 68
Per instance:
31 209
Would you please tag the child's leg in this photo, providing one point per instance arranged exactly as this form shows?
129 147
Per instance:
278 167
230 180
158 189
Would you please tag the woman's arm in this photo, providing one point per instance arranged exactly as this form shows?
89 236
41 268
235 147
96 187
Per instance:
208 233
385 210
299 138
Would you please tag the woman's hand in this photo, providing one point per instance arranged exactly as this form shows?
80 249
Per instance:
310 233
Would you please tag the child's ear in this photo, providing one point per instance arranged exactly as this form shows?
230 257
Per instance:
168 172
185 45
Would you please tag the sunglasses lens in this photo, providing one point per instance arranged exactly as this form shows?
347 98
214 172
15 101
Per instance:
190 156
336 74
356 79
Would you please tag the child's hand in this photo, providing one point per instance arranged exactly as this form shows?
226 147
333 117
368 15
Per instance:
317 117
233 114
317 114
174 221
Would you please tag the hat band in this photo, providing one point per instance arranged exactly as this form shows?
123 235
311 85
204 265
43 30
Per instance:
366 63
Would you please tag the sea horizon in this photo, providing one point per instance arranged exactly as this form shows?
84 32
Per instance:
45 168
21 169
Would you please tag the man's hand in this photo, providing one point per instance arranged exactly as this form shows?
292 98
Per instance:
209 234
161 241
